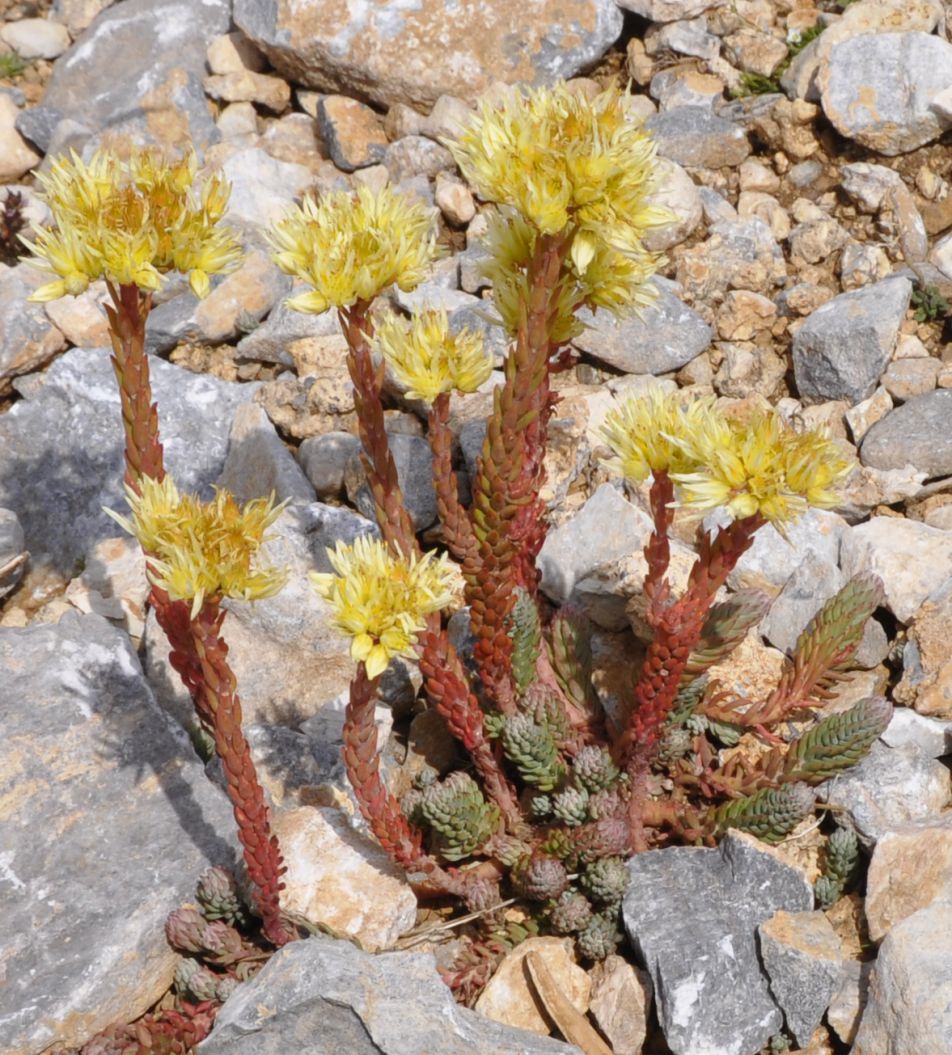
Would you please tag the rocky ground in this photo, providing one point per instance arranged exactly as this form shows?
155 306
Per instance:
805 155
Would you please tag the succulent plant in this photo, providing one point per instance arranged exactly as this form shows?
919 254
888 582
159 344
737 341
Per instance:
599 938
605 880
570 913
540 877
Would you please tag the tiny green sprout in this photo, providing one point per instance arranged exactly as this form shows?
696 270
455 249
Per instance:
756 84
929 304
11 64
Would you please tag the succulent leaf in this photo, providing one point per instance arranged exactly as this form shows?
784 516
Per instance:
526 633
532 749
461 819
837 742
770 814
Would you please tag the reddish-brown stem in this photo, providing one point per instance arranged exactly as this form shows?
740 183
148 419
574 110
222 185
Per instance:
677 630
457 528
217 698
447 688
658 548
393 519
127 316
507 516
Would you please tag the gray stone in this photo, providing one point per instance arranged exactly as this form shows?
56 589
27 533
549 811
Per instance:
128 822
416 156
889 787
669 10
804 960
323 997
848 1001
268 343
324 460
13 555
813 583
471 262
414 462
35 38
63 448
696 137
288 658
606 528
262 187
842 349
868 185
738 254
137 71
716 208
692 915
667 337
917 433
909 1006
28 340
876 88
434 295
391 54
259 464
933 736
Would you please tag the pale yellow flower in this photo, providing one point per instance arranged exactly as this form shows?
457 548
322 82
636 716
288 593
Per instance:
647 433
130 221
201 549
760 466
381 601
555 162
427 359
350 247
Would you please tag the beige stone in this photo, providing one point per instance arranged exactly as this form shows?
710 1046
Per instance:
245 86
81 319
863 416
17 157
931 691
234 53
911 867
342 879
620 1002
744 314
510 998
113 584
905 378
454 200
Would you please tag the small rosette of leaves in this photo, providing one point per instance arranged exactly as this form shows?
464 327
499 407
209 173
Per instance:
599 938
570 653
837 742
771 814
531 748
460 817
526 633
540 877
605 880
593 768
570 913
571 806
219 897
842 864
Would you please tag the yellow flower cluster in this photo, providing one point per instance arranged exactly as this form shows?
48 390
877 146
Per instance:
202 549
760 465
555 161
349 247
382 601
129 221
427 359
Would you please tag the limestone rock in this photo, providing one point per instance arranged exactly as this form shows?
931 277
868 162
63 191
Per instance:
913 434
669 10
620 1003
877 89
933 736
262 187
113 584
696 137
692 915
842 349
17 157
391 54
13 555
28 339
100 81
509 997
342 879
352 131
327 996
667 337
258 464
927 675
129 821
414 463
738 254
909 1005
246 86
911 868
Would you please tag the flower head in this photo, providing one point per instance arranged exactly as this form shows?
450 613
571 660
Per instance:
202 549
555 161
760 466
648 434
349 247
382 601
130 221
427 359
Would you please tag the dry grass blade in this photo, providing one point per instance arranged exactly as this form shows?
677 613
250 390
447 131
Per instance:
572 1024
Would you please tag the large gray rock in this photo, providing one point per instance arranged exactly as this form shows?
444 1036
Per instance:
325 997
696 137
917 433
842 349
692 915
63 448
28 340
389 52
877 89
259 464
108 821
889 787
667 337
137 70
414 461
669 10
13 553
909 1006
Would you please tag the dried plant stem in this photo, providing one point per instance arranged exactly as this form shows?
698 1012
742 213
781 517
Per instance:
507 515
198 653
392 517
